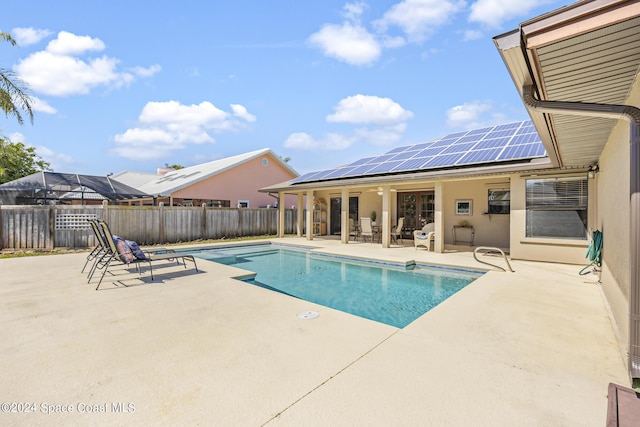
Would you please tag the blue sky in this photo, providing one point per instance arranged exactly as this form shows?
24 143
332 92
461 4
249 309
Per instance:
136 85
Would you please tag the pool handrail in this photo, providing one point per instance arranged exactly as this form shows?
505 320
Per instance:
492 249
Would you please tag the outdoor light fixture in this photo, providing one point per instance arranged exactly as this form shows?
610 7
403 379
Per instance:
593 170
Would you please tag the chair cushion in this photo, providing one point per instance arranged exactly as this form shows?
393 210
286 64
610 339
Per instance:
421 236
137 252
124 250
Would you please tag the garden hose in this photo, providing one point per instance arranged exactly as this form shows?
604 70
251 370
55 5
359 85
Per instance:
594 251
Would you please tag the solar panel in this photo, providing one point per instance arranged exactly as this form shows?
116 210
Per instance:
510 141
412 164
406 155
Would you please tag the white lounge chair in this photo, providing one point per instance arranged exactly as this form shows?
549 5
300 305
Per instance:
425 236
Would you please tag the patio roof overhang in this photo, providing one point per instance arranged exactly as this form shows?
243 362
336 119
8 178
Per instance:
588 52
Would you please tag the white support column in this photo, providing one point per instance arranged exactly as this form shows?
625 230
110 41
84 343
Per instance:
386 216
309 220
344 216
438 245
300 217
281 214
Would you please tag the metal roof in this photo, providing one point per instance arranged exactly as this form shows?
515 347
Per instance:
173 181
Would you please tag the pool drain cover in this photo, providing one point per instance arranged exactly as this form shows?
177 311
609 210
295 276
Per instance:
308 315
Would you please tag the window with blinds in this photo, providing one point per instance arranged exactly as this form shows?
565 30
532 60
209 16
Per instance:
557 208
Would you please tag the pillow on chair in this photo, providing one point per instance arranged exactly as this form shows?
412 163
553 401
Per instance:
126 255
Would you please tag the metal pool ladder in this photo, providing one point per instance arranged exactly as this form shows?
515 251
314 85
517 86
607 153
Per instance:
491 249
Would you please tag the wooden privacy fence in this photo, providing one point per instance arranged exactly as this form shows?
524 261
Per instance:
55 226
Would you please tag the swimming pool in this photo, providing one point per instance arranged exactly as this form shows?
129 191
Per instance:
373 290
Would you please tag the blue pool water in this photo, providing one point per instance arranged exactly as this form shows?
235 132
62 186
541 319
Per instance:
381 292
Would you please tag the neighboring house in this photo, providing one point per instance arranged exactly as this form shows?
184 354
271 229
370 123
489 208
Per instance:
576 69
229 182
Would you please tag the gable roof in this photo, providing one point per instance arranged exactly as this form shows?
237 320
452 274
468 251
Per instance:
134 179
176 180
492 145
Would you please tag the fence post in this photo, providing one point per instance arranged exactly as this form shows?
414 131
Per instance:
52 227
161 223
204 221
105 211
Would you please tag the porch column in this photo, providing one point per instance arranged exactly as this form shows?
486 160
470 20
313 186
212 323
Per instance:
438 244
299 218
386 216
309 220
344 216
281 214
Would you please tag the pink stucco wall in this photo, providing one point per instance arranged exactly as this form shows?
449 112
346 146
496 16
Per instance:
242 183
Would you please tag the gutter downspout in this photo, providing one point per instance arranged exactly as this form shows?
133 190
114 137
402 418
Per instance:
632 115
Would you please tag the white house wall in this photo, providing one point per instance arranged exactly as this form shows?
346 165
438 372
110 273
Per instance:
490 230
613 185
565 251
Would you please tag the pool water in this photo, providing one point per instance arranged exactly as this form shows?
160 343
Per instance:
376 291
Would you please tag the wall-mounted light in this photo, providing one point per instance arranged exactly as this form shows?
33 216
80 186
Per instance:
379 193
593 170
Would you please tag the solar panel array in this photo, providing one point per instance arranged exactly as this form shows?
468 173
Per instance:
513 141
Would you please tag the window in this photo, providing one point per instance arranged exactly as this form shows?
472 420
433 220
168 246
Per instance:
243 203
499 202
557 208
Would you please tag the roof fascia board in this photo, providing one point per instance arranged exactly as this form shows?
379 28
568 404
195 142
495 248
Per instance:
576 19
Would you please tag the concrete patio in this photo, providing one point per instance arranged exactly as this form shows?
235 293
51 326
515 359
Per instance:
530 348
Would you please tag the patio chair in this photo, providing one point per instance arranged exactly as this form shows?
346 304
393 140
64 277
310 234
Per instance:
120 253
99 250
425 236
397 233
366 230
353 229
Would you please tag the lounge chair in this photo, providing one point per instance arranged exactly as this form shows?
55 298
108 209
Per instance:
99 250
397 233
366 230
120 253
425 236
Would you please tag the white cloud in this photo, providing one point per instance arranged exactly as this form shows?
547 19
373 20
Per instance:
241 112
61 71
70 44
369 110
385 120
42 106
493 13
474 115
57 161
353 11
419 18
349 43
27 36
330 142
386 135
146 72
165 127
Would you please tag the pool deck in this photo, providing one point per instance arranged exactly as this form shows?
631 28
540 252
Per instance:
532 348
